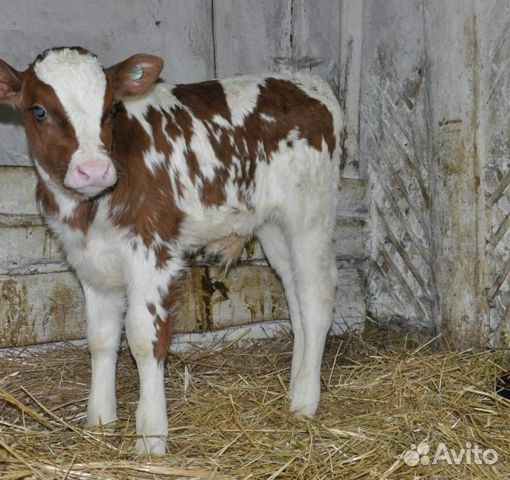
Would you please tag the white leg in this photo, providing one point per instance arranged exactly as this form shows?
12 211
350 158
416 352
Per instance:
277 252
151 299
104 324
151 416
312 260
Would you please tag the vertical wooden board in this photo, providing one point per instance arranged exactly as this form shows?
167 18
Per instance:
394 135
316 39
458 264
180 32
256 36
251 36
351 39
493 143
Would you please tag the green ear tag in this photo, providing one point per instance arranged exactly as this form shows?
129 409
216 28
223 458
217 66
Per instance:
137 73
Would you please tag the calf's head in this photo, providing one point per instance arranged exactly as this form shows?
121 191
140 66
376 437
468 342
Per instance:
69 101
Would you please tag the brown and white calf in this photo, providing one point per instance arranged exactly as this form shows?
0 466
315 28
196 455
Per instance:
134 174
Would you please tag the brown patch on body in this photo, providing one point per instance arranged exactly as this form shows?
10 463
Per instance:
110 109
142 201
83 216
155 119
291 108
163 325
282 100
46 199
213 191
162 253
204 99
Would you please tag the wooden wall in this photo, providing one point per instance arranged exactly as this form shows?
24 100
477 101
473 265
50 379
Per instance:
423 228
40 299
435 103
199 39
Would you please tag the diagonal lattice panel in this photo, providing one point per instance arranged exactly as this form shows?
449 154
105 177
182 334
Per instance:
394 143
494 20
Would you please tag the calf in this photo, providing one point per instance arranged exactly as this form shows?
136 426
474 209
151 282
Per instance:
134 174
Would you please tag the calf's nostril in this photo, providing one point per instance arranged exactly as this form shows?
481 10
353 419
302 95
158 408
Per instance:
106 173
82 172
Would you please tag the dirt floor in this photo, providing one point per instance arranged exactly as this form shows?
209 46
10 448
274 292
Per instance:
391 408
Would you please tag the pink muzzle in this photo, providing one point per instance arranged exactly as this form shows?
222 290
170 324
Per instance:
92 175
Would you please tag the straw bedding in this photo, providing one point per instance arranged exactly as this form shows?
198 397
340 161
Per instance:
228 418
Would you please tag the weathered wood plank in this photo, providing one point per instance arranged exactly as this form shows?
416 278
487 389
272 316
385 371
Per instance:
48 306
251 36
214 300
40 308
493 147
353 199
350 307
316 39
17 190
352 227
351 239
394 142
29 242
456 176
351 40
26 243
288 35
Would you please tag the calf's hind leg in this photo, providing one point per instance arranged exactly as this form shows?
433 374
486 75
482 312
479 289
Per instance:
313 263
277 251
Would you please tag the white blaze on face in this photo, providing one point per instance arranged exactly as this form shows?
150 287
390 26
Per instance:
80 84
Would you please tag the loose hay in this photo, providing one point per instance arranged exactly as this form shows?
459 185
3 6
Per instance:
228 414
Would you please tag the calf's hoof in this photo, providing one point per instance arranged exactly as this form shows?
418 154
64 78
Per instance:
151 445
304 401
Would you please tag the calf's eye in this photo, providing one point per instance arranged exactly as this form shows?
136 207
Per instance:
39 112
110 114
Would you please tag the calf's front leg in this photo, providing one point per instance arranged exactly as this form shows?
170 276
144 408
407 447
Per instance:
104 325
148 330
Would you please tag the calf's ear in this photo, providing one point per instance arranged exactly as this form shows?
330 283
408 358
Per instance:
10 83
135 75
